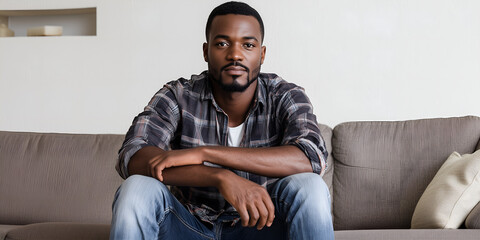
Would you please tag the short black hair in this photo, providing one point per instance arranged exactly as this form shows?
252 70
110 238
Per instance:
232 7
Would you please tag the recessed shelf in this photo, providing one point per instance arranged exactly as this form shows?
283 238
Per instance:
75 22
48 12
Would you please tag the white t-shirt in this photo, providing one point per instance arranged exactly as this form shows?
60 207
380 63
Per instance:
235 135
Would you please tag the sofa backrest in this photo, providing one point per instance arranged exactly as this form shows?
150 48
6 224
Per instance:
68 177
326 132
57 177
382 168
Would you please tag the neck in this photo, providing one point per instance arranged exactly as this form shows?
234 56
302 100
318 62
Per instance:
235 104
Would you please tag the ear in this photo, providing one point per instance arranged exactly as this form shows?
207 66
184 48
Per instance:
205 51
264 51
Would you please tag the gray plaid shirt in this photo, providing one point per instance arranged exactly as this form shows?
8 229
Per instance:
184 114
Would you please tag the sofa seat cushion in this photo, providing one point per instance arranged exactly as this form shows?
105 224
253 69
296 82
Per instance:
452 194
4 229
59 231
402 234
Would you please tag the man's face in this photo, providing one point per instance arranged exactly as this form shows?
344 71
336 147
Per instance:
234 51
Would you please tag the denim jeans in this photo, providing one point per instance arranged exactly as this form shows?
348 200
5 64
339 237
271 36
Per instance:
145 209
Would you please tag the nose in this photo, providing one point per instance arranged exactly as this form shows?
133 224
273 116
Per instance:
235 53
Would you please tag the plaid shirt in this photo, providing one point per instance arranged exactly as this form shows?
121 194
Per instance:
184 114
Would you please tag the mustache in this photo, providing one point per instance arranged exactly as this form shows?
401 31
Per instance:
235 64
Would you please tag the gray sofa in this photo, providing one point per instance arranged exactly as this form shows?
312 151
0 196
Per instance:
61 186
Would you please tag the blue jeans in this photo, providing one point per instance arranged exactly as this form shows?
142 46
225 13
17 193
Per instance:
144 208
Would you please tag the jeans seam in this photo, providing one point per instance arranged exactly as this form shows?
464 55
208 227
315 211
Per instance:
169 210
218 231
286 217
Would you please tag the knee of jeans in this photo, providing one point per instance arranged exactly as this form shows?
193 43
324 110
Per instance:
139 191
309 186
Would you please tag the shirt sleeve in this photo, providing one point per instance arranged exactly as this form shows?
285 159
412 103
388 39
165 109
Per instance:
155 126
301 127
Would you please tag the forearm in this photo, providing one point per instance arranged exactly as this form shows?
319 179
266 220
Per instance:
192 175
195 176
278 161
139 162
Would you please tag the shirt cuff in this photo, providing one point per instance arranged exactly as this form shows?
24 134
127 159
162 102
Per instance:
124 157
317 158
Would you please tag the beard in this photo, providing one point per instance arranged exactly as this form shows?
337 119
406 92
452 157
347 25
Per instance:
235 86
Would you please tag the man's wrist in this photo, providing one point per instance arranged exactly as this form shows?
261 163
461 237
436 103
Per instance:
204 152
221 175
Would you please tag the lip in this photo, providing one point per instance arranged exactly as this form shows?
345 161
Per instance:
235 70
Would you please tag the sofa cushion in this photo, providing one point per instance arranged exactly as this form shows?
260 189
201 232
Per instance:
382 168
452 194
60 231
57 177
473 218
415 234
4 229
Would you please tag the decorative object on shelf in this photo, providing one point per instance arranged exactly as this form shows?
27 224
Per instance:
45 31
5 31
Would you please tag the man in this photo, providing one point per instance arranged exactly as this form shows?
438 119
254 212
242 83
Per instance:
241 150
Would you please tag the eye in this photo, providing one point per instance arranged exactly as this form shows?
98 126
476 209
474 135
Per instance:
221 44
249 45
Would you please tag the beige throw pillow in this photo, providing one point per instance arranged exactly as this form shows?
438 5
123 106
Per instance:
452 194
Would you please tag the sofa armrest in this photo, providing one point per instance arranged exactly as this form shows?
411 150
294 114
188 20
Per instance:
473 219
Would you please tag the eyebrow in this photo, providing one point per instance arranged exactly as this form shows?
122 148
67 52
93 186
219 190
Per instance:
227 37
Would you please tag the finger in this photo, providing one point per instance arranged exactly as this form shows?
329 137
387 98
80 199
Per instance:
152 165
262 210
271 211
243 215
253 214
158 172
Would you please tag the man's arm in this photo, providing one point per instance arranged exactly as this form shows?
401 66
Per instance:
251 200
277 162
270 162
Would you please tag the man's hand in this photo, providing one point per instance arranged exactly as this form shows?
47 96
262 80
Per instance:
173 158
251 200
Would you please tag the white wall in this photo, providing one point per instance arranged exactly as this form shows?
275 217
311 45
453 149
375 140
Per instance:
358 60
